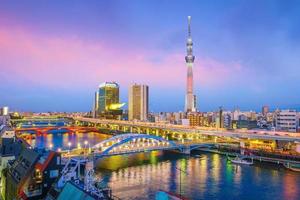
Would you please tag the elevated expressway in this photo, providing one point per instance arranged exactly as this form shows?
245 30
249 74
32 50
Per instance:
185 132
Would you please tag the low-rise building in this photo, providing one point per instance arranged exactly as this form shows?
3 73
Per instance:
31 175
287 120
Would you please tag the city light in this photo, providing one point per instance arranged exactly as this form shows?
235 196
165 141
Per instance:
189 134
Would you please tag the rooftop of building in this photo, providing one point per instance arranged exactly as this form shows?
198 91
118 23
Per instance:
109 84
74 192
20 167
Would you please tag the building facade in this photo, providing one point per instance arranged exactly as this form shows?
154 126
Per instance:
287 120
4 111
107 103
265 110
138 102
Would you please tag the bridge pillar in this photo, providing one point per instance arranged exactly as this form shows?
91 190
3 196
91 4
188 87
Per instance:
156 132
298 147
186 150
242 147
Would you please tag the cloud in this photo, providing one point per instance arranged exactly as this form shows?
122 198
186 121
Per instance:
71 62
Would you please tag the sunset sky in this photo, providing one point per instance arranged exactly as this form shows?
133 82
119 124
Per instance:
54 54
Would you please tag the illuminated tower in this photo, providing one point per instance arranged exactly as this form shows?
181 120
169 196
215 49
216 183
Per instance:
190 98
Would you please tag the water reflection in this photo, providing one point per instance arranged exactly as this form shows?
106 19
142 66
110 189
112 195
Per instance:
60 139
139 176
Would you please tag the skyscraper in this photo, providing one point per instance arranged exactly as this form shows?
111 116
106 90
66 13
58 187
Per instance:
138 102
96 105
107 101
190 98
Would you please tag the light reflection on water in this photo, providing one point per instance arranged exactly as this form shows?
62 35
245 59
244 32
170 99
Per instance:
139 176
60 140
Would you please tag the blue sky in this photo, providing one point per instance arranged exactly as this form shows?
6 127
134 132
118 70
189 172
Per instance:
54 54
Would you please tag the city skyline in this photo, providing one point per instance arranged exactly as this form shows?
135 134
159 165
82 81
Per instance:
61 51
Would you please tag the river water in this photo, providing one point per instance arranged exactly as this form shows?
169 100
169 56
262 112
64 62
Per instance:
140 176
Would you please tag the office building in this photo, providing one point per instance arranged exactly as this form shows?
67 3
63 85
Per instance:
138 102
107 103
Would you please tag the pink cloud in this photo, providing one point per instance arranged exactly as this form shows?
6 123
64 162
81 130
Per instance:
73 62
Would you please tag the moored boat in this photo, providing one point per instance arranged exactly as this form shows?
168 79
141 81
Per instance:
198 156
238 160
292 167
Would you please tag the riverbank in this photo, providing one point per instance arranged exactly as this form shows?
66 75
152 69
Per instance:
273 160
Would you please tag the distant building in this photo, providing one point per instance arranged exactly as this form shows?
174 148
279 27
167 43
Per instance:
185 122
96 105
219 123
138 102
107 103
227 121
244 124
195 119
287 120
265 110
4 111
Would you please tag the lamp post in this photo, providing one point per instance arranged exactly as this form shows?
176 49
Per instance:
69 144
50 146
180 170
85 146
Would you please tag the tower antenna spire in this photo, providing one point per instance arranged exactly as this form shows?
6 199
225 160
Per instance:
189 25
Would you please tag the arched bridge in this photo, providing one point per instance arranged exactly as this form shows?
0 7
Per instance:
134 143
126 143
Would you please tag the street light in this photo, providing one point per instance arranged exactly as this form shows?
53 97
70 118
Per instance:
69 144
180 170
50 146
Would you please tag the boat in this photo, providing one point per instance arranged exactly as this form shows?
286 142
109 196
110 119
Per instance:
198 156
238 160
292 167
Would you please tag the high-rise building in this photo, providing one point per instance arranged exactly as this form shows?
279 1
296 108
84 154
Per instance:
96 104
219 119
138 102
107 103
265 110
190 98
